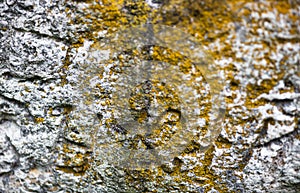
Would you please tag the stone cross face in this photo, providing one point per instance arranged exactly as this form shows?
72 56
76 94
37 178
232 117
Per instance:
157 99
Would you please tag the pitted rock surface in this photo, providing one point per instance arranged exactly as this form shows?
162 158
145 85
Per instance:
46 145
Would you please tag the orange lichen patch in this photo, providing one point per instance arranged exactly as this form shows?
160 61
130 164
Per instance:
108 15
138 12
288 89
282 6
67 109
39 119
50 111
206 20
134 176
113 15
173 58
74 160
205 176
223 143
255 90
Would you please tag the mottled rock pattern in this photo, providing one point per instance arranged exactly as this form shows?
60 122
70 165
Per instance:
46 146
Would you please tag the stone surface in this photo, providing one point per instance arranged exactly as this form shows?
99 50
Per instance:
58 76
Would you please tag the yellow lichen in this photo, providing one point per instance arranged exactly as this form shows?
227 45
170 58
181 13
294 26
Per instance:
208 21
39 119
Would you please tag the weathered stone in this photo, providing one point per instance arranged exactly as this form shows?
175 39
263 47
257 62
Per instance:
61 73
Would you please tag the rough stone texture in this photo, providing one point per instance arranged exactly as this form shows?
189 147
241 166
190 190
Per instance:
48 144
